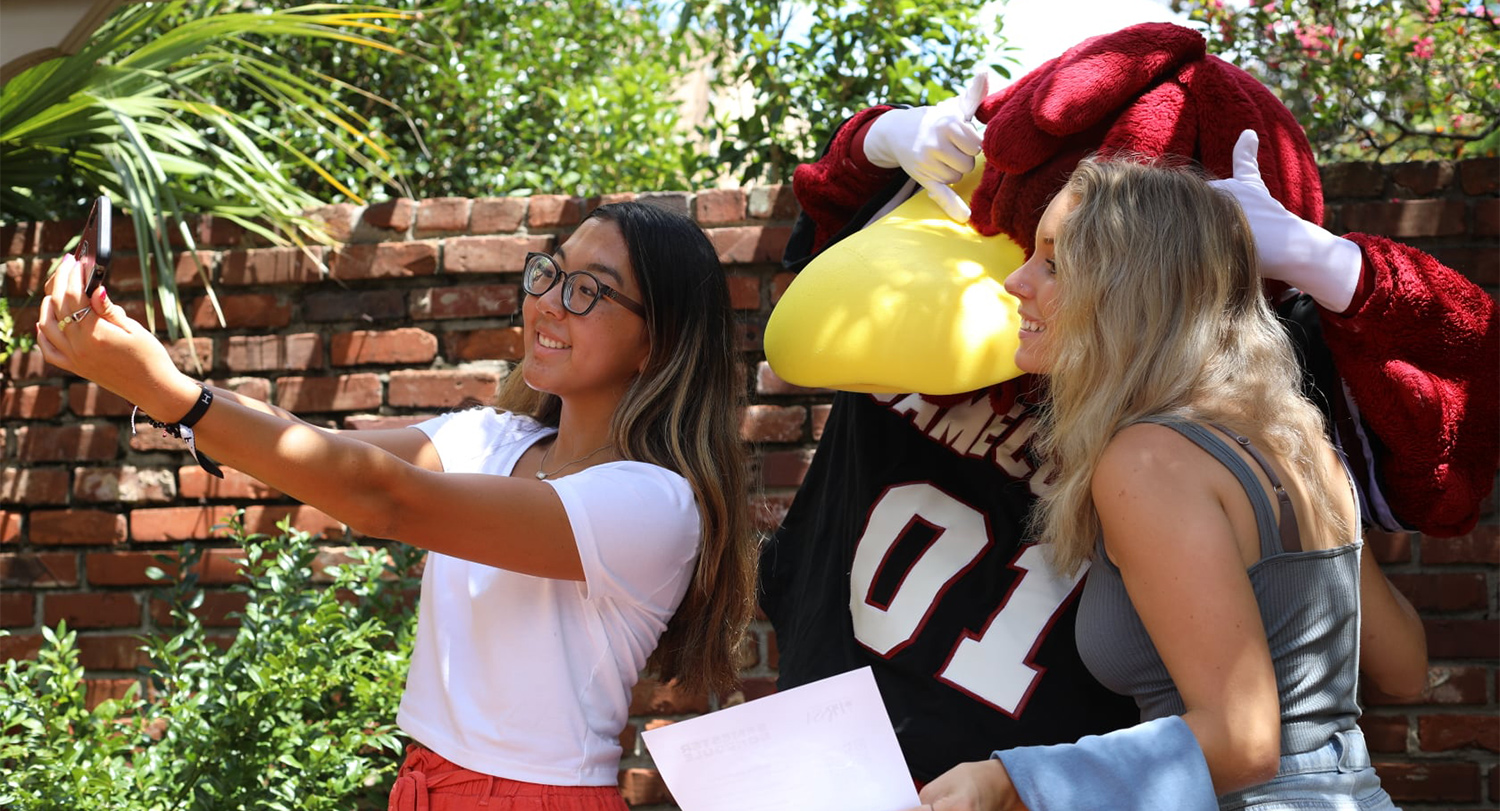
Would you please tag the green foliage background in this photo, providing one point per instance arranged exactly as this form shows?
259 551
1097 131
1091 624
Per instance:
1386 80
294 711
587 96
558 96
258 110
805 67
136 115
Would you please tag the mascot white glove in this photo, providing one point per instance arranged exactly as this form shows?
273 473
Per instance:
935 145
1292 250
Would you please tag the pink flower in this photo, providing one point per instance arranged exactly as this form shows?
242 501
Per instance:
1421 47
1311 39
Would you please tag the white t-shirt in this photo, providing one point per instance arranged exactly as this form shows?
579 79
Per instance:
526 677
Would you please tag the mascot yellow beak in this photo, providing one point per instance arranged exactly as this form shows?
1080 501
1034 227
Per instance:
912 303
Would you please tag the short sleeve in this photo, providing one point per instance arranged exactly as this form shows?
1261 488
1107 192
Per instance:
479 440
637 530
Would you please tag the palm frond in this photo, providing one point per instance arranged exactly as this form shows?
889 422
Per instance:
133 115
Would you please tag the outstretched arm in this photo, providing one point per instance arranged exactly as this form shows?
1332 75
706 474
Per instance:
501 521
408 444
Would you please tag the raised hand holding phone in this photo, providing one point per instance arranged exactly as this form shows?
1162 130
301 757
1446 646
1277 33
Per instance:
114 351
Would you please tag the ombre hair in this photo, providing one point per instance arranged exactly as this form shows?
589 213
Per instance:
1159 312
682 413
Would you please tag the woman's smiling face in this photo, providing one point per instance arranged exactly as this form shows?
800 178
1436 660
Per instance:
1035 285
587 356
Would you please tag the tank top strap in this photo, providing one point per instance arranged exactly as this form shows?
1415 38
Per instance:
1272 542
1290 536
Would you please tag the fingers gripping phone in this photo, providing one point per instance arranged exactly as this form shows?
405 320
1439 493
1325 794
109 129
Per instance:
94 246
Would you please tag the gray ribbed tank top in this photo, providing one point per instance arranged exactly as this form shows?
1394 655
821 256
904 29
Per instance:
1309 603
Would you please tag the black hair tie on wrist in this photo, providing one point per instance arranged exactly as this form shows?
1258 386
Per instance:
183 428
205 399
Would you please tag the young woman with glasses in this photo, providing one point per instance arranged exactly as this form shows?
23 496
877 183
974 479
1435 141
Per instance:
591 525
1227 592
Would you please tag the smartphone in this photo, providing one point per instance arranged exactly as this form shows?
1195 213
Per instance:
94 245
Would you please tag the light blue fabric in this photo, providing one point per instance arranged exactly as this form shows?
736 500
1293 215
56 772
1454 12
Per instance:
1335 777
1151 766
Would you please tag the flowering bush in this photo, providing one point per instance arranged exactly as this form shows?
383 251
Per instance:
1385 79
295 711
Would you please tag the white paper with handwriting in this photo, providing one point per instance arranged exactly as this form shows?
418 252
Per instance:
826 745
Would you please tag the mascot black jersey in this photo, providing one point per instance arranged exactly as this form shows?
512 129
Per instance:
905 550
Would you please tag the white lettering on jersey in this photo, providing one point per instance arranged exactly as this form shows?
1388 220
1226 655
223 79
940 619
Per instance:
974 430
961 537
917 408
996 665
961 428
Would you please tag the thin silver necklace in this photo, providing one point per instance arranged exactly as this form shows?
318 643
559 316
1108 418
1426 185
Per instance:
542 474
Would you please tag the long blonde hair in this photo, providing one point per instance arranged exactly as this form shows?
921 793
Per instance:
682 413
1159 311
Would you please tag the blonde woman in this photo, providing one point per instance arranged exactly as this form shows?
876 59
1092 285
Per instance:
1228 593
595 524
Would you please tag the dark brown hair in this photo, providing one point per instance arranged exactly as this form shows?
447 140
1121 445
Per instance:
682 413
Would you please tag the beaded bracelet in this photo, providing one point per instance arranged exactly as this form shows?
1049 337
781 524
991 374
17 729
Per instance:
183 428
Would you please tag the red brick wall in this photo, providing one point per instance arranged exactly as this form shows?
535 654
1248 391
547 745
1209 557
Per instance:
420 311
1441 753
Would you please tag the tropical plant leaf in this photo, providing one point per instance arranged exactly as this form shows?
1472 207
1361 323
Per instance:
134 114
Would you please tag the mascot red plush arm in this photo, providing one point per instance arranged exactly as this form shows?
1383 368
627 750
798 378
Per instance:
833 190
1418 349
1417 343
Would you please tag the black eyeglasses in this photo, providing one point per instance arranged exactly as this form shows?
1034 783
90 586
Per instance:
581 290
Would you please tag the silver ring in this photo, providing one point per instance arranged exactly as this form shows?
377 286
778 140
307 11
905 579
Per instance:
77 315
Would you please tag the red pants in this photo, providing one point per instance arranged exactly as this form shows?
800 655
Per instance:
430 782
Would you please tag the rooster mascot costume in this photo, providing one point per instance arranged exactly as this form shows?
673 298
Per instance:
905 548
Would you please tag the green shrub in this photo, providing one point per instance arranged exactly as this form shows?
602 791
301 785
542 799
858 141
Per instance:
294 710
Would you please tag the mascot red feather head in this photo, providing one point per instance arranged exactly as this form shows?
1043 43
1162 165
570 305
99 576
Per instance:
1149 89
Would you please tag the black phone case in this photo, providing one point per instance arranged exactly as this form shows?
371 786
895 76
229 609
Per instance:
94 246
